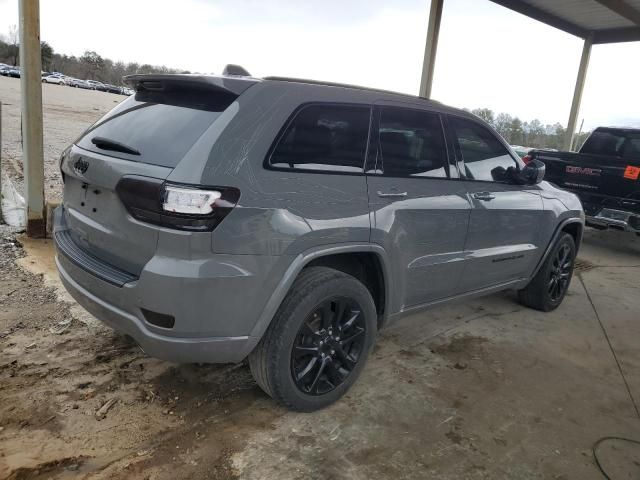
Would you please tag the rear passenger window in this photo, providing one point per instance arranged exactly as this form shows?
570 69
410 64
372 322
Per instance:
484 156
411 143
324 138
632 147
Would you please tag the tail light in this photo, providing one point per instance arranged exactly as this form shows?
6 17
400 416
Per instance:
63 156
526 159
182 207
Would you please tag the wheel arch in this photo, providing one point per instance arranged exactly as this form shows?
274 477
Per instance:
349 258
364 266
573 226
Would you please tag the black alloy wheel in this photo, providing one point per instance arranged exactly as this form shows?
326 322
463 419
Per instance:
560 273
328 346
548 287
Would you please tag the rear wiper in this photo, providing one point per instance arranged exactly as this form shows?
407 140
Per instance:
106 144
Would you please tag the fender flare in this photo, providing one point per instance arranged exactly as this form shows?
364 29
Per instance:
554 238
296 266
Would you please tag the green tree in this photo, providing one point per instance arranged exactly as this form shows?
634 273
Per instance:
485 114
503 124
535 135
516 132
14 44
92 63
46 53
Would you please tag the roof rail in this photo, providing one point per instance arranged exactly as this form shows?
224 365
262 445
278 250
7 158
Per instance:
344 85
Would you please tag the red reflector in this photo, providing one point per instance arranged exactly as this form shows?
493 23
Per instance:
526 159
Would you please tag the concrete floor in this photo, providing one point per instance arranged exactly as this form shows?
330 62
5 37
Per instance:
485 389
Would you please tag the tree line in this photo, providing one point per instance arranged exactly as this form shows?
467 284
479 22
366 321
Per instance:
92 66
528 134
89 66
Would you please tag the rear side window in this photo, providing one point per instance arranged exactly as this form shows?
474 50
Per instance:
411 143
484 156
324 138
603 142
632 147
162 127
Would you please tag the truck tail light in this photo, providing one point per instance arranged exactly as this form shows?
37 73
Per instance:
182 207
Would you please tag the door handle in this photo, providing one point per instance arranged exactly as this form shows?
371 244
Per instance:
391 194
486 196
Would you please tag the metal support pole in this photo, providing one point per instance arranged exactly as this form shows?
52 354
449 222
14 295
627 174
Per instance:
431 47
0 161
31 89
577 93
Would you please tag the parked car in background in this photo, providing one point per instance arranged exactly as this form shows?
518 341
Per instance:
14 72
55 79
76 82
4 70
95 85
112 88
521 151
209 231
605 174
127 91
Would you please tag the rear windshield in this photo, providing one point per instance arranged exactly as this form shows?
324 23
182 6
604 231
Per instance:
605 142
161 127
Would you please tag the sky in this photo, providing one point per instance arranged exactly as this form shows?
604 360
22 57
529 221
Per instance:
488 56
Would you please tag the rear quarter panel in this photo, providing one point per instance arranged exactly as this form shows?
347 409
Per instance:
279 212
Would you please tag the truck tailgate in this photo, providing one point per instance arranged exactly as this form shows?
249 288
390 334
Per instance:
613 182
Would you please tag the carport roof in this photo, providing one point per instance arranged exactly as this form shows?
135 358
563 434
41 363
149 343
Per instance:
608 21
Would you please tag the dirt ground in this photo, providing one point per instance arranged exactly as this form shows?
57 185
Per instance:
67 112
485 389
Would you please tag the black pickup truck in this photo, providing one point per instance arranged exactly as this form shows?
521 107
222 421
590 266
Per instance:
605 174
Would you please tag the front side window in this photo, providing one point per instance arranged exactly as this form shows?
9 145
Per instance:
324 138
411 144
484 156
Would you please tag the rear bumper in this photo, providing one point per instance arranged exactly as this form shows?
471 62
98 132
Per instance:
172 349
616 219
607 211
207 297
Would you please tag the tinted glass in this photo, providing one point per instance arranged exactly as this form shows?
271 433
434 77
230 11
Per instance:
411 143
632 147
484 156
162 127
325 138
603 142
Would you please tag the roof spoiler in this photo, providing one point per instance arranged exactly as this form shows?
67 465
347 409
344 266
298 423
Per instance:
233 85
235 70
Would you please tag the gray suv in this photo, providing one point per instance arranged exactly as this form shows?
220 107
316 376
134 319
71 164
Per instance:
214 218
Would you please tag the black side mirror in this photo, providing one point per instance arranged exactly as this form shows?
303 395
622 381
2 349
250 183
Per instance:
532 173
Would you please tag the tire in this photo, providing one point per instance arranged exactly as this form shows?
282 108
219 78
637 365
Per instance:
318 294
548 288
